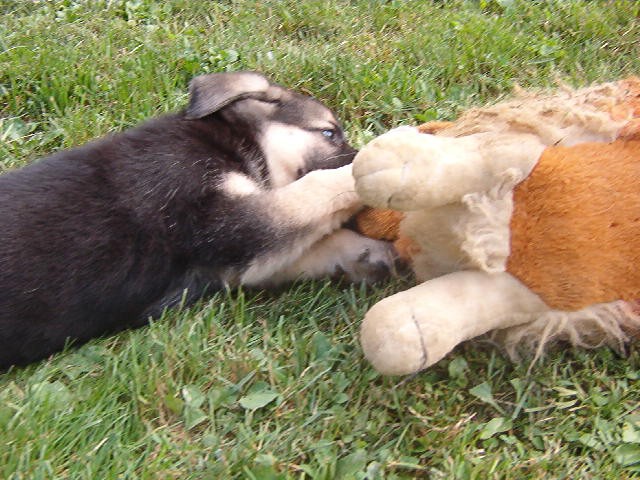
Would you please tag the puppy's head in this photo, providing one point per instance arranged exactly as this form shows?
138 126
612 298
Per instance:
296 133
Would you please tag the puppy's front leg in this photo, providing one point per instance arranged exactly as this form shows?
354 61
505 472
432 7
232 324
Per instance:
301 213
358 258
320 201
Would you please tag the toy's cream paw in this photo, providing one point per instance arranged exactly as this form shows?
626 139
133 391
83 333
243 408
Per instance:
408 170
384 166
391 340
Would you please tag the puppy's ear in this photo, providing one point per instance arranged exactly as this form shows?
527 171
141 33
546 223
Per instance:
209 93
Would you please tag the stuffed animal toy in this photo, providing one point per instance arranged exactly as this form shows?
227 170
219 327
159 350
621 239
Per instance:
522 219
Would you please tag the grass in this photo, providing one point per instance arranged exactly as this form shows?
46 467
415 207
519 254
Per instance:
266 386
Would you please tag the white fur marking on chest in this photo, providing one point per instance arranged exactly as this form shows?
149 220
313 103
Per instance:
237 184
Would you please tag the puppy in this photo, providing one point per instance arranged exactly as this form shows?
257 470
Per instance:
249 185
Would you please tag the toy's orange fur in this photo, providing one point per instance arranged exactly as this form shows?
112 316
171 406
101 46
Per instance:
575 224
384 224
575 243
575 229
379 223
630 107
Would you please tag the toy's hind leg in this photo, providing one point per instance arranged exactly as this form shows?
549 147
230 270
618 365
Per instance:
409 331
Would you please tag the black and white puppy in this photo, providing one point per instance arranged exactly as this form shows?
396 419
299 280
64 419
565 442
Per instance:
249 185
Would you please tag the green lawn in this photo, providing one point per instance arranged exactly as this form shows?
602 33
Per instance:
273 385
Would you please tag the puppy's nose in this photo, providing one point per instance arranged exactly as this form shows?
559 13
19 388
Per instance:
346 156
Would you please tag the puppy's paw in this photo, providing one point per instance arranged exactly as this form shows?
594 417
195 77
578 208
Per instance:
334 188
368 261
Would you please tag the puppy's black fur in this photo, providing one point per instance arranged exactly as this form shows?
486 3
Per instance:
100 237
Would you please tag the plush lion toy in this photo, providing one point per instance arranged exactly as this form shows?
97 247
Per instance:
521 218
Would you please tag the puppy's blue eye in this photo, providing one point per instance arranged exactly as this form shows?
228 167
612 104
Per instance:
328 133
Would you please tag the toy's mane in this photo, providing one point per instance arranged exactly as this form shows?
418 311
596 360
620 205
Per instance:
565 117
